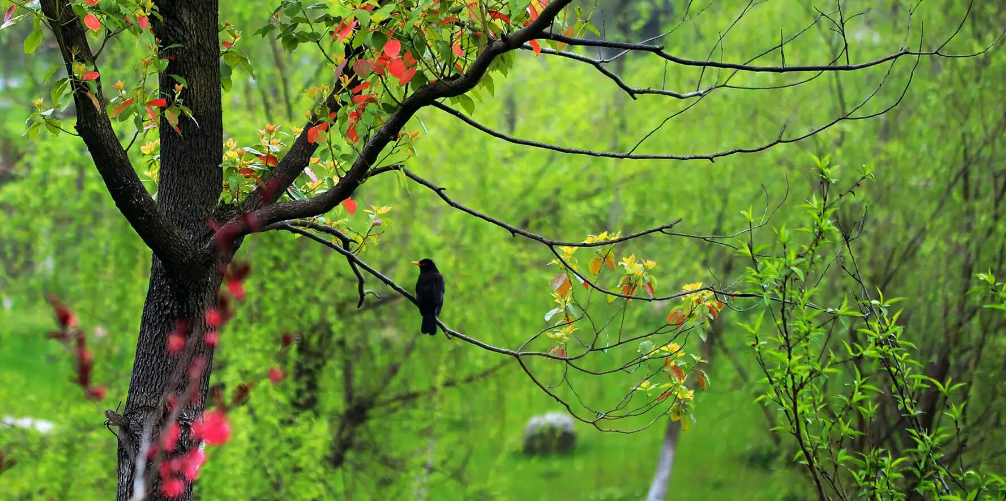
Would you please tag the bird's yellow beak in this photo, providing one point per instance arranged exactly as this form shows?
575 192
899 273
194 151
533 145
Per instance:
415 263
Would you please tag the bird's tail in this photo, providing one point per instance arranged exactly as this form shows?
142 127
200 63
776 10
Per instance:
429 325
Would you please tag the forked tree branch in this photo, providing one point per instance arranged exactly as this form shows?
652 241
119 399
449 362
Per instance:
166 241
388 132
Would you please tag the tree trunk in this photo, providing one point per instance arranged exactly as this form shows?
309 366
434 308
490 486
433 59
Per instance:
662 477
188 192
154 369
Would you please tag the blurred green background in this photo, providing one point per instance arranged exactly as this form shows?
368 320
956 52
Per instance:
936 157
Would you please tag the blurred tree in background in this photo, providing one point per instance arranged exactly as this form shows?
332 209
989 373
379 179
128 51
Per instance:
361 407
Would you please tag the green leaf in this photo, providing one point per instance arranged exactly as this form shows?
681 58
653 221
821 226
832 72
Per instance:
52 71
515 8
292 9
31 43
467 103
53 126
363 17
33 130
225 76
490 86
57 92
265 30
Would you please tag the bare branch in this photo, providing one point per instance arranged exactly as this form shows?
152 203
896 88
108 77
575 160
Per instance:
658 50
633 92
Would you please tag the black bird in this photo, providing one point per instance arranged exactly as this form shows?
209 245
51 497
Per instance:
429 294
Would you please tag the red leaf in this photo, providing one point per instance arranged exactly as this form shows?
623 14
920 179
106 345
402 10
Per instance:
94 101
122 106
495 14
144 22
676 318
345 32
712 310
649 289
678 371
170 437
89 75
275 375
213 317
392 48
339 69
237 289
312 135
10 13
364 98
159 102
404 79
227 44
360 88
191 463
173 487
92 22
175 343
246 172
350 205
352 134
361 67
96 393
150 112
64 317
457 50
214 428
252 220
397 68
535 47
289 339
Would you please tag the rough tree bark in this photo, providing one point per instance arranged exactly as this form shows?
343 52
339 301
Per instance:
184 276
188 191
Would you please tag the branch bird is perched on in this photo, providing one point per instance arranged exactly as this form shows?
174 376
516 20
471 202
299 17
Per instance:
429 294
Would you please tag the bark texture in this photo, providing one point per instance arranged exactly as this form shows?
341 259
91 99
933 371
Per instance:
188 191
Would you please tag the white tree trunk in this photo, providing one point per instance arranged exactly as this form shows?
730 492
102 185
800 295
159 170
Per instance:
662 477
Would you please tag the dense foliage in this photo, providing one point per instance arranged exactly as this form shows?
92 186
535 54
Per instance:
833 384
